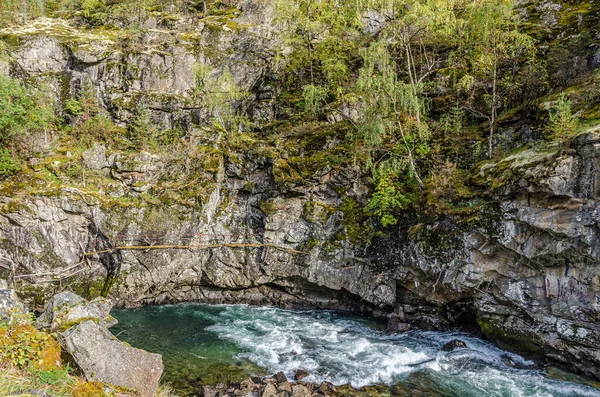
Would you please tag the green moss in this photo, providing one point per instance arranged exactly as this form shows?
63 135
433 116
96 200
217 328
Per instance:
35 296
268 207
311 243
70 324
357 220
86 287
509 338
248 187
334 243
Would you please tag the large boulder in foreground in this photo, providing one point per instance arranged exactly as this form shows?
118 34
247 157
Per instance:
83 329
103 357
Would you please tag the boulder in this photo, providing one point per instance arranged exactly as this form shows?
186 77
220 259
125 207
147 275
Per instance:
247 389
269 391
284 386
9 301
280 377
67 309
300 391
454 344
327 388
95 157
104 358
300 374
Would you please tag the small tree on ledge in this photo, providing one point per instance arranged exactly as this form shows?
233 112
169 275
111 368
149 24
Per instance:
562 124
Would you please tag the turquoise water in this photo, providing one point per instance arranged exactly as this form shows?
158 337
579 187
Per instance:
204 344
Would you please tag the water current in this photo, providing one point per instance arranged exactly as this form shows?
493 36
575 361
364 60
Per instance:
209 344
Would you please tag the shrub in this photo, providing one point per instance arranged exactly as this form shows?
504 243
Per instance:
24 347
386 200
8 164
445 187
24 110
562 123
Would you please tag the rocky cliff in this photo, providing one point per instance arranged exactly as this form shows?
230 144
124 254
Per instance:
277 219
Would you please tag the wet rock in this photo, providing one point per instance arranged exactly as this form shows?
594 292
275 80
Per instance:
509 362
280 377
327 388
213 390
300 391
104 358
398 328
300 374
454 344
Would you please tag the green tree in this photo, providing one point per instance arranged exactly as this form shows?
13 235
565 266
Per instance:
389 128
221 98
25 111
320 44
490 44
562 123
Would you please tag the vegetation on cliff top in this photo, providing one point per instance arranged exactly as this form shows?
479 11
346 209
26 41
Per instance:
422 91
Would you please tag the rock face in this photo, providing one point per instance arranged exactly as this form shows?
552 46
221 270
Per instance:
83 330
271 229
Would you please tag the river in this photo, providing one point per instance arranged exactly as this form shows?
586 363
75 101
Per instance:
209 344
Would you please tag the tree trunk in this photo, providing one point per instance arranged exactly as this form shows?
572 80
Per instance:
411 160
493 113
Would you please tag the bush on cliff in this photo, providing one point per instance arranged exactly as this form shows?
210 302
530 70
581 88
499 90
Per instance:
562 123
25 112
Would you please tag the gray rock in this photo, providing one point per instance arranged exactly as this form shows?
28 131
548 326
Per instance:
95 157
9 302
300 374
104 358
527 269
67 309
